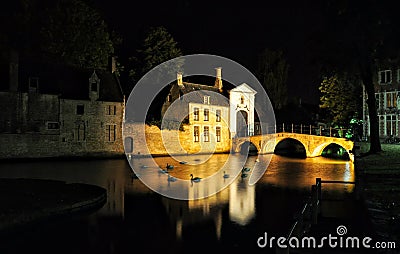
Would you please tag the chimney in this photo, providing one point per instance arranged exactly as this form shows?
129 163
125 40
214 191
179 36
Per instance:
218 80
112 64
13 70
179 79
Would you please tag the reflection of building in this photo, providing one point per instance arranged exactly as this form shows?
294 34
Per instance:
184 214
242 202
387 96
53 110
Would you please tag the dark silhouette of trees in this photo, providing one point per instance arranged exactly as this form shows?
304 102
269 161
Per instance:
272 72
157 47
354 38
61 31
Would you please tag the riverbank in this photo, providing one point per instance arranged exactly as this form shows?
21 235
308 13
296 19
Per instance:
81 157
28 202
379 177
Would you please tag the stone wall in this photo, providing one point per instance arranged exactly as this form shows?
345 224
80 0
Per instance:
26 129
160 143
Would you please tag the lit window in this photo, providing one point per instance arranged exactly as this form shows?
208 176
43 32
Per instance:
385 77
196 114
218 115
206 114
218 133
206 99
196 133
391 100
206 134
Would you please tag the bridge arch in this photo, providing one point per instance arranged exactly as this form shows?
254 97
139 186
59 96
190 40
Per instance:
247 147
313 144
290 146
319 149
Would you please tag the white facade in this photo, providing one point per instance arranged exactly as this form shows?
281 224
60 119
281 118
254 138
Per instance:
241 100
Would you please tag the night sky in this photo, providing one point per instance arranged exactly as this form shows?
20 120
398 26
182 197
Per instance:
238 31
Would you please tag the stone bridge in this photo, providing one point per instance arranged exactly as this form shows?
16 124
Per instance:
313 144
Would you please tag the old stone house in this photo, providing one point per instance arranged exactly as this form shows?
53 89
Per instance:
196 118
205 113
387 96
54 110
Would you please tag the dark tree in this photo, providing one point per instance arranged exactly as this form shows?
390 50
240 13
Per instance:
75 33
157 47
273 73
353 38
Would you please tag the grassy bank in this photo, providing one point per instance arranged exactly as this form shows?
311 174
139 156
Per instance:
379 176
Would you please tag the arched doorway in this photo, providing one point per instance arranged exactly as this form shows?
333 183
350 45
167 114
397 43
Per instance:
128 145
242 123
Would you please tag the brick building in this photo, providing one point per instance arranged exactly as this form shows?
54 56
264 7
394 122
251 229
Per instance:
54 110
387 96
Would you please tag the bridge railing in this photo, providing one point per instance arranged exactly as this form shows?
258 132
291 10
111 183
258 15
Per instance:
300 129
308 215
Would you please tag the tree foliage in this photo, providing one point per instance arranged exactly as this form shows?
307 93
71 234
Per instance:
353 36
339 99
76 34
58 31
273 73
157 47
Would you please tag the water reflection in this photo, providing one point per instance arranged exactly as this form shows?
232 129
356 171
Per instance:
135 215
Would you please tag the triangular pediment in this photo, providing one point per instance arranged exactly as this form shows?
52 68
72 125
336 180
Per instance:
244 88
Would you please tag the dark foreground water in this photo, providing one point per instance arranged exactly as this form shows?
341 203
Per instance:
137 220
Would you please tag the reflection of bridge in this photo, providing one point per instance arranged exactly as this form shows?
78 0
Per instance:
313 144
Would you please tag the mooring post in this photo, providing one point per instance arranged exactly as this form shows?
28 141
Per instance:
314 203
318 183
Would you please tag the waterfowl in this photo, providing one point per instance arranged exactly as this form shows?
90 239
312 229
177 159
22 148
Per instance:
170 166
194 179
245 169
226 175
183 162
171 178
244 175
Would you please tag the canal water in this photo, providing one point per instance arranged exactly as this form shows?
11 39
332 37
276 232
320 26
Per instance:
136 219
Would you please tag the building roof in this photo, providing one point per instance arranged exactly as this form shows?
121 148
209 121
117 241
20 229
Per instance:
65 81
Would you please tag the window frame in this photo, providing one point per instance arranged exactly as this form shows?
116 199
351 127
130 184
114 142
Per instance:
206 114
206 134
